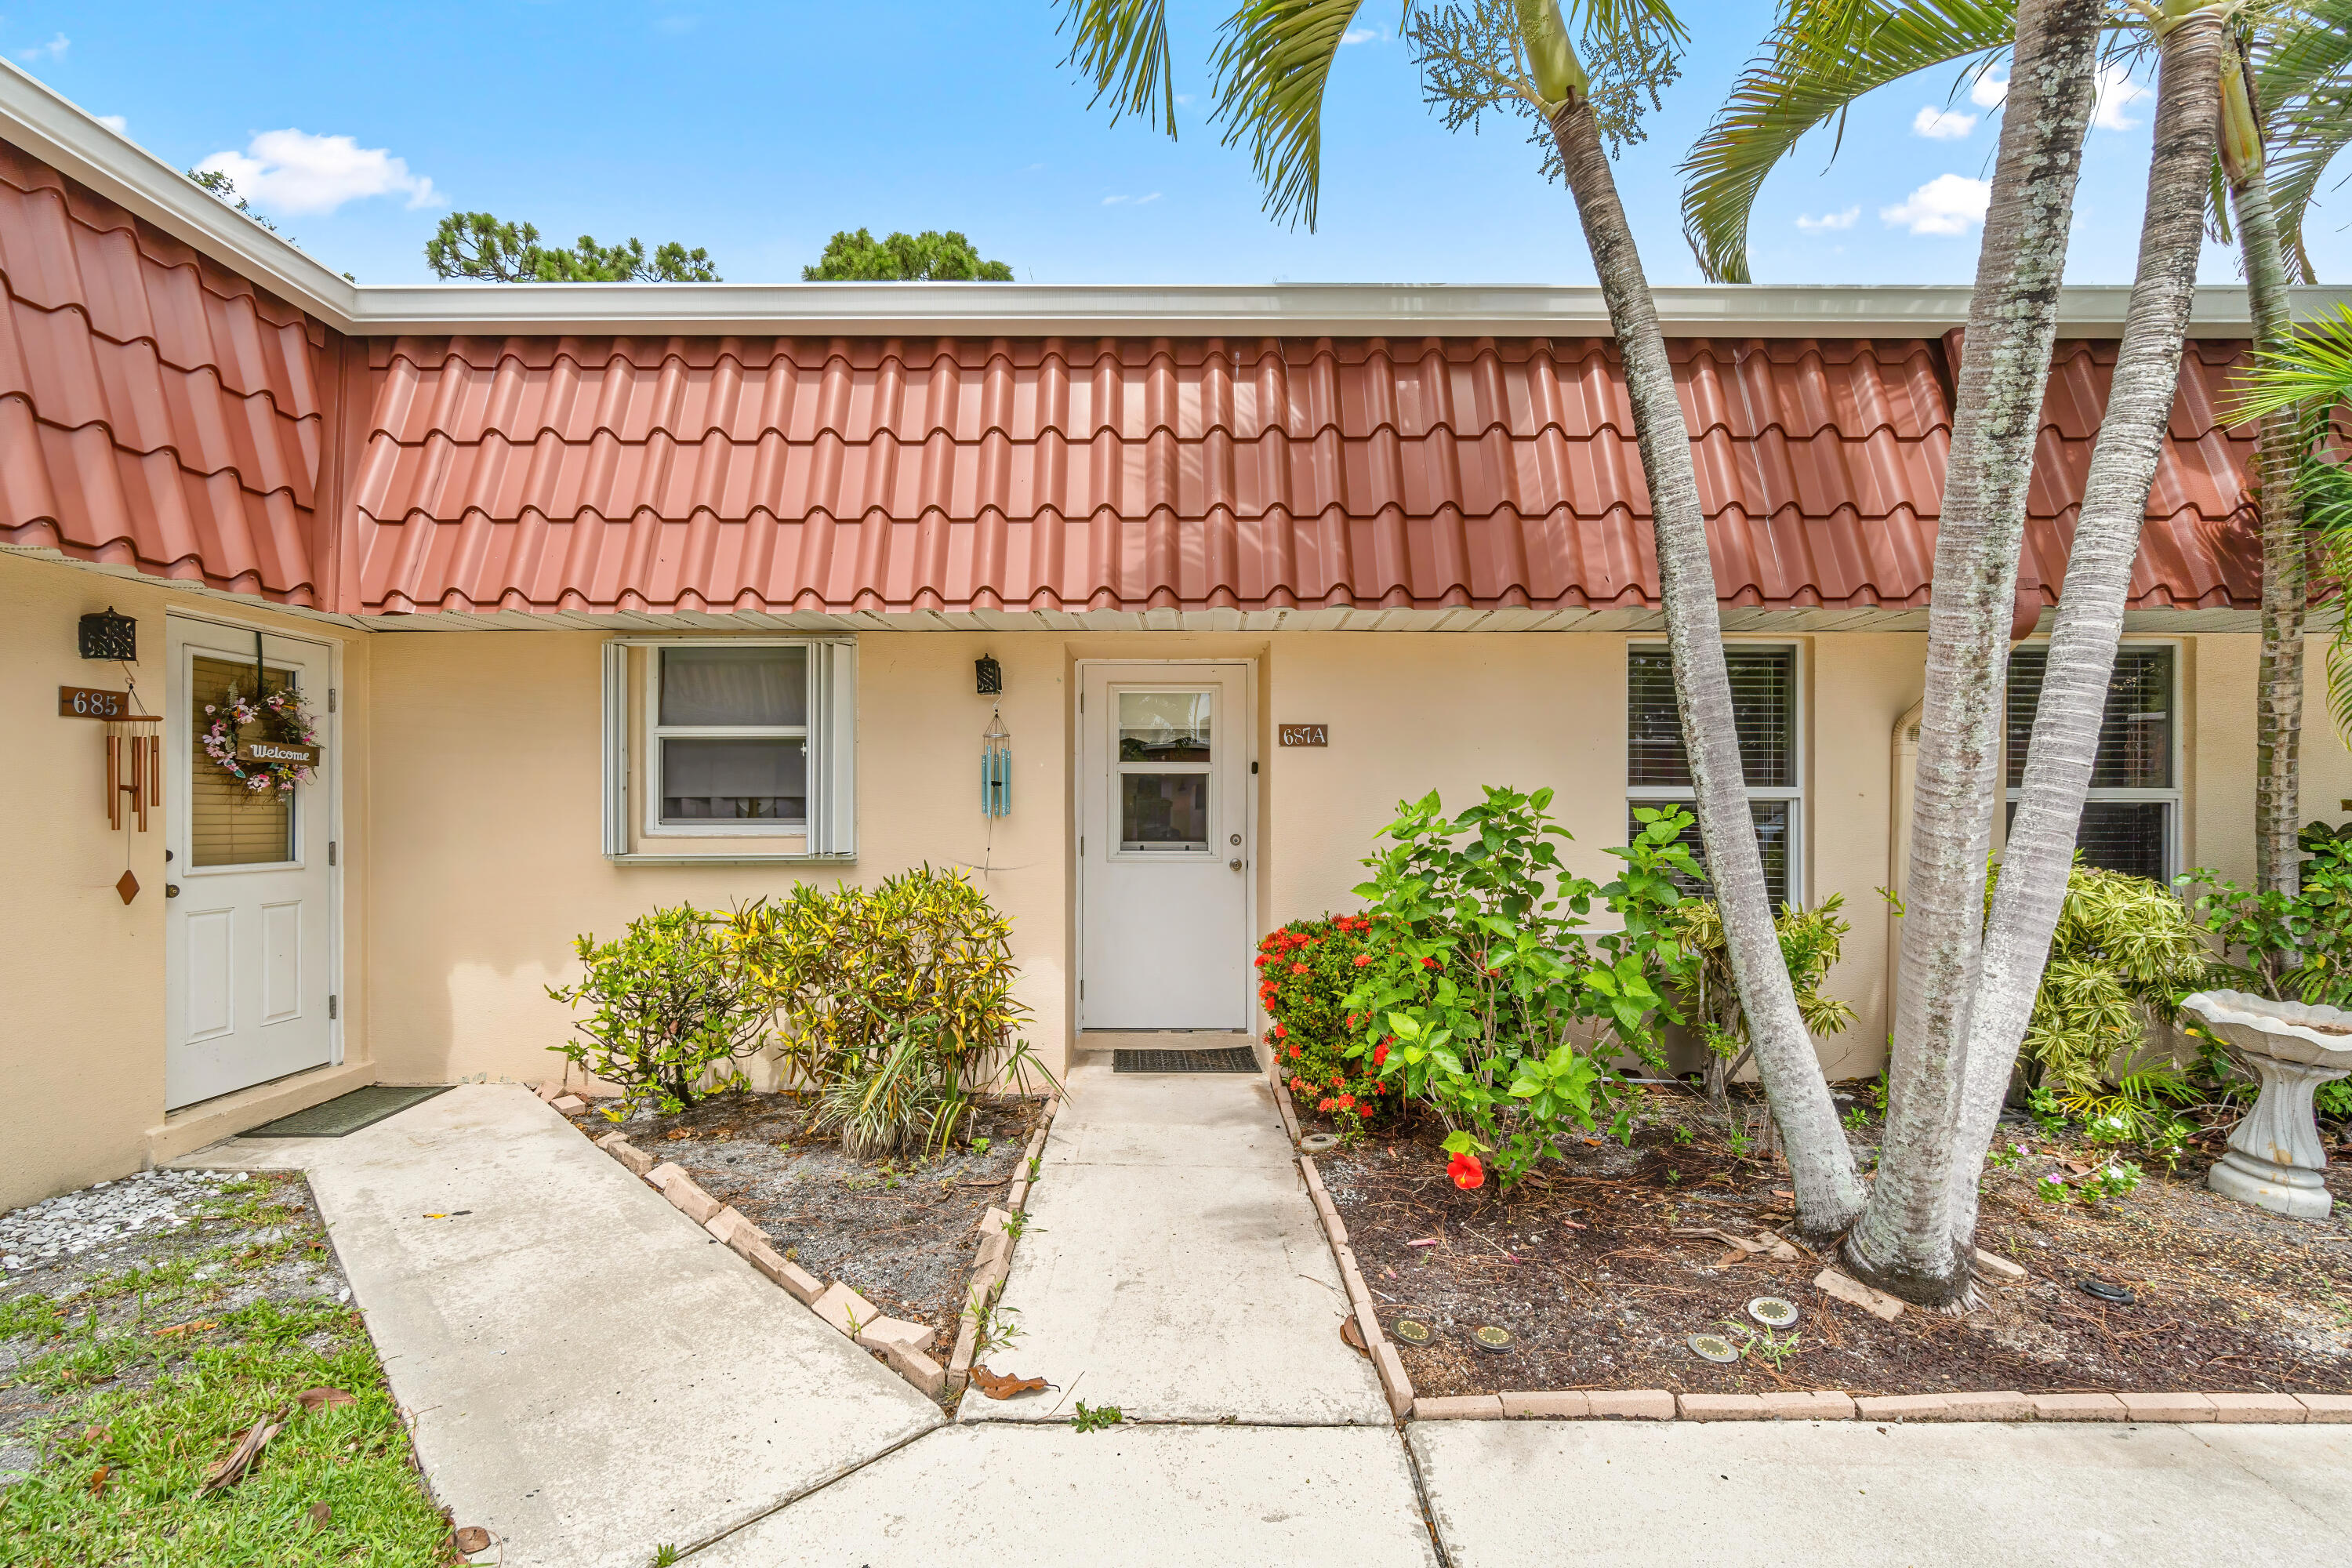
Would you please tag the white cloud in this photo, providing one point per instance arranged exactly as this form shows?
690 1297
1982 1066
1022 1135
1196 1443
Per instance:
1989 89
1362 36
2117 92
1828 220
118 123
1948 204
54 49
1129 201
294 172
1183 98
1942 124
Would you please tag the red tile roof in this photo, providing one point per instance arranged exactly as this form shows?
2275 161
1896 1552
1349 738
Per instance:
158 410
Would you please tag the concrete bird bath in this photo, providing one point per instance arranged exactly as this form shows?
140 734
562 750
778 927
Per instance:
2274 1158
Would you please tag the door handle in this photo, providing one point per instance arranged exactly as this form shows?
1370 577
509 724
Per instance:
1233 865
170 889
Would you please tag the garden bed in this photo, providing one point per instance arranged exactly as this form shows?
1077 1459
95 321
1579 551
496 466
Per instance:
1583 1267
899 1232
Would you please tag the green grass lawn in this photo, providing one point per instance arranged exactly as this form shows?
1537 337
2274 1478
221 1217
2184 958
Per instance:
151 1374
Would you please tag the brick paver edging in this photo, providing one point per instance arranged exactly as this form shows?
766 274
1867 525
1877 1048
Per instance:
1818 1405
902 1346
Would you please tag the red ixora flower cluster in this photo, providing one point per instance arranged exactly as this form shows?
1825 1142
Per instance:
1467 1172
1305 971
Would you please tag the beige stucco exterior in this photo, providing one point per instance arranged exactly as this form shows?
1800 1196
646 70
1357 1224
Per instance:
471 769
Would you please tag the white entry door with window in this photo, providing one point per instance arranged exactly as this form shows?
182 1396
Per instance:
249 921
1165 850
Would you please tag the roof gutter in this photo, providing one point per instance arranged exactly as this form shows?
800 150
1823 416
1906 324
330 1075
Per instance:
62 135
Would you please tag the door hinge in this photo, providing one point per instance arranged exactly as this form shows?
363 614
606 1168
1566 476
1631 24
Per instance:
331 700
331 851
1082 990
330 1005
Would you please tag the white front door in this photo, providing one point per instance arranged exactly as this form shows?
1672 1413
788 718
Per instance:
1165 851
249 921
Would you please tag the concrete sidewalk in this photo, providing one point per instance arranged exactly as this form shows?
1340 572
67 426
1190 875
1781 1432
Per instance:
588 1374
1173 1266
1833 1494
1153 1497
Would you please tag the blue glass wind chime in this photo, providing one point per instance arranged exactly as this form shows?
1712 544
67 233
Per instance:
995 747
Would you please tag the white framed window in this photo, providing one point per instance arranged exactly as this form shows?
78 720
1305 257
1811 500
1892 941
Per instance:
733 738
1765 696
2131 819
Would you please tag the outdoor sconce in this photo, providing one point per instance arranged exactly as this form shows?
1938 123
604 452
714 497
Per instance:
996 766
991 675
106 635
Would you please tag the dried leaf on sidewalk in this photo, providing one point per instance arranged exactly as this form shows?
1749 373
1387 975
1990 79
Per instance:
332 1398
998 1385
469 1539
228 1472
1354 1334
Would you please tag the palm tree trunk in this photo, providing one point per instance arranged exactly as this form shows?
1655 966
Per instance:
2278 724
1904 1242
2041 849
1820 1162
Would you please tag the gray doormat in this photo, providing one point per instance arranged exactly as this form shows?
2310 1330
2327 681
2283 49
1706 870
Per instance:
348 1112
1223 1059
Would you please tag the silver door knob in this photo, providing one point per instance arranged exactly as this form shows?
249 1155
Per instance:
1235 865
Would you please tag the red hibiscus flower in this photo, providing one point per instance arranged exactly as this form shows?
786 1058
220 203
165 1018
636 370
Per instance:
1467 1172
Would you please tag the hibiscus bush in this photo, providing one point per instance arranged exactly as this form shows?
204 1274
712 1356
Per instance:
1479 988
1305 971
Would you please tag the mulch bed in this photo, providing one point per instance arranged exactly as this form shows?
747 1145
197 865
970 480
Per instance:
900 1232
1583 1267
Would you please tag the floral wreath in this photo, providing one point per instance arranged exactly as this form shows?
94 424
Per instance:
282 719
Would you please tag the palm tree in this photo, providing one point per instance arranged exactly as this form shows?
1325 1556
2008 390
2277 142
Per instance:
1967 986
2293 87
2310 379
1274 59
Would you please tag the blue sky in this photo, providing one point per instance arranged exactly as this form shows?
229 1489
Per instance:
756 130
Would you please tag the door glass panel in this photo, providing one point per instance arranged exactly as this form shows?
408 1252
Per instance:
734 686
1165 726
230 823
748 780
1164 811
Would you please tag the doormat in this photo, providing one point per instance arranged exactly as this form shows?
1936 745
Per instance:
1224 1058
348 1112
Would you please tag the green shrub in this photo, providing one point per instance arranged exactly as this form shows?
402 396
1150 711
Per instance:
1810 942
670 1002
894 1002
1305 971
2125 950
1488 998
2295 949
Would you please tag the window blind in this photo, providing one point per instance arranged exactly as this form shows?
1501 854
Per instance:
1773 822
1763 706
2135 730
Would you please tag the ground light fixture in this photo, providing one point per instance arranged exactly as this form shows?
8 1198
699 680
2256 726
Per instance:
1773 1311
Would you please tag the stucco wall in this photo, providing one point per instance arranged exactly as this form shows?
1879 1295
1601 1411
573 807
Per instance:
81 1035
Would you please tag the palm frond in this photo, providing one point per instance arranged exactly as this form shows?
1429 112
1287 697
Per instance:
1273 61
2303 83
1818 60
2313 368
1122 47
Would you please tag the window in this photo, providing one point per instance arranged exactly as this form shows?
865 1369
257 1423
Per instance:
736 738
1764 710
1163 772
2134 799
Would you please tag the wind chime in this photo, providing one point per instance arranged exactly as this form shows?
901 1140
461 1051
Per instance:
995 767
134 741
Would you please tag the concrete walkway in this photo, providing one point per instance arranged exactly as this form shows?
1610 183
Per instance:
1174 1267
593 1378
588 1374
1829 1494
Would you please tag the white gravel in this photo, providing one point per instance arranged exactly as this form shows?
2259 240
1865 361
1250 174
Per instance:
71 1223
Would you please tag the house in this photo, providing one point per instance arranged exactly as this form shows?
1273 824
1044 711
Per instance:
605 596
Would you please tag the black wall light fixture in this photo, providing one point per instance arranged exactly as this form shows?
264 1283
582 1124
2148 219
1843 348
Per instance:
106 635
991 676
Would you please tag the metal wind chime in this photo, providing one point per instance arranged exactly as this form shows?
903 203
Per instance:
995 745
